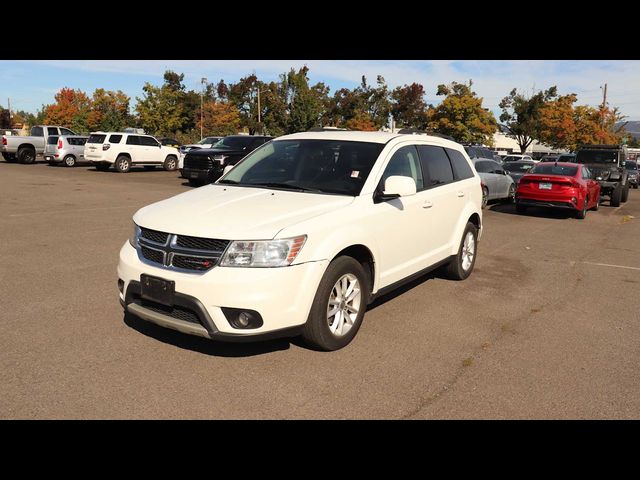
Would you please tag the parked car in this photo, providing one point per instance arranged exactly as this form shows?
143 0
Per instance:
206 142
558 185
206 165
478 151
567 157
66 150
517 169
301 235
634 173
497 184
549 158
519 158
25 149
124 150
498 158
169 142
607 163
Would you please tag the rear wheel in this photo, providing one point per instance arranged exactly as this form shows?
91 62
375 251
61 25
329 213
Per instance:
10 157
485 197
26 155
69 161
597 205
616 197
511 197
123 164
461 265
580 214
170 163
339 305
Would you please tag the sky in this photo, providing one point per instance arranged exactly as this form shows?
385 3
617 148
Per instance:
31 83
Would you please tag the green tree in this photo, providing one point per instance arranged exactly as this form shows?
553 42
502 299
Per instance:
408 106
521 115
162 110
461 116
5 118
109 111
305 103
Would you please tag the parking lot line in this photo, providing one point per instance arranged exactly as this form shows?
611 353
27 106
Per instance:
609 265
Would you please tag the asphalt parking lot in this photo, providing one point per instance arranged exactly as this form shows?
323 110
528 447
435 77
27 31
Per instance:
547 326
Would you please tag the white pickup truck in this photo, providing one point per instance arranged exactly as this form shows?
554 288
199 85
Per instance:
25 149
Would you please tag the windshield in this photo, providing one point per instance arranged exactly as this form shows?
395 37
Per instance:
516 167
553 169
233 143
631 165
566 158
597 156
512 158
208 140
322 166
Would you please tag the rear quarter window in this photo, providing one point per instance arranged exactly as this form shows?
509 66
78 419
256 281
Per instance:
96 138
115 138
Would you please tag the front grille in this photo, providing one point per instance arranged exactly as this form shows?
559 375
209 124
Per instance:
198 162
177 312
154 235
194 263
199 243
152 255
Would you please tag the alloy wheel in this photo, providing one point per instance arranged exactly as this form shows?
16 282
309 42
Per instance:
468 251
344 304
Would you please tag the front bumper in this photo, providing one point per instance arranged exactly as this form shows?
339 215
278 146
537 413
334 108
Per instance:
282 296
205 176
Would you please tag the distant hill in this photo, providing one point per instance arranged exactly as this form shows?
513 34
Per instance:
632 127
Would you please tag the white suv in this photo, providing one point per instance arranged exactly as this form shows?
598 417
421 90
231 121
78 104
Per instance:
124 150
301 235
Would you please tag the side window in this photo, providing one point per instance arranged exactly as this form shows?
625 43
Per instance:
133 140
148 141
38 132
461 168
471 152
52 131
66 131
404 162
482 167
115 138
436 165
495 168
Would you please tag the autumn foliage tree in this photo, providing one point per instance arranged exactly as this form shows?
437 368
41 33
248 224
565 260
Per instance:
109 111
71 109
461 116
220 119
362 121
408 106
557 123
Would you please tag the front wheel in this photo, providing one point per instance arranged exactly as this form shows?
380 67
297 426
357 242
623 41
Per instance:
625 193
339 305
170 163
616 197
461 264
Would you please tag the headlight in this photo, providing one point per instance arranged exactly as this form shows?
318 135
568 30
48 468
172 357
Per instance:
263 253
133 236
220 158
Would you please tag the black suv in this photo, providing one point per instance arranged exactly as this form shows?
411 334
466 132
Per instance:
607 165
206 165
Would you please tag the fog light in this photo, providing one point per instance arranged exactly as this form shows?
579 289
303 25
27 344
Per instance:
574 200
242 319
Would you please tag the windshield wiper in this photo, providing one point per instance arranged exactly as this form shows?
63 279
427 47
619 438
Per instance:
283 186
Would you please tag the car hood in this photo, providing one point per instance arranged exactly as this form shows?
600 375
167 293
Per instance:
235 213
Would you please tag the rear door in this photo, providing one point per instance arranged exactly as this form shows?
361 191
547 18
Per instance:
503 182
484 169
135 149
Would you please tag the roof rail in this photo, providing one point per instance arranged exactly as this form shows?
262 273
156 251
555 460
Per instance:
326 129
417 131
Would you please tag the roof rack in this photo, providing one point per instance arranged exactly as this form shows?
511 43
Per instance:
326 129
417 131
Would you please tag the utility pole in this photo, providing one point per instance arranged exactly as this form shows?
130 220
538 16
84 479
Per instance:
203 82
604 102
9 108
259 126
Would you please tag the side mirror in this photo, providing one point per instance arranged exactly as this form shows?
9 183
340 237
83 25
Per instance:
227 168
397 186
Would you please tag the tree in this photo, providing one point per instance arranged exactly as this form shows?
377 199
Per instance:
461 116
558 123
110 111
5 118
220 118
162 111
408 106
597 126
521 115
363 122
243 95
305 103
71 110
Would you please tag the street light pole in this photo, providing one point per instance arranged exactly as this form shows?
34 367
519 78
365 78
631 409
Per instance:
203 81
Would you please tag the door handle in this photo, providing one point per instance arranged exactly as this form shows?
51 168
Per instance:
460 194
427 204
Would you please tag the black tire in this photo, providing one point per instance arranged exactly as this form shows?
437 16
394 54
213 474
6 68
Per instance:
485 195
316 331
123 164
625 193
69 161
616 196
194 183
511 197
170 163
454 269
26 155
520 208
580 214
10 157
102 167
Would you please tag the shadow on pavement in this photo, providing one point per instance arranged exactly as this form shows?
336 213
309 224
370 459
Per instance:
541 212
204 345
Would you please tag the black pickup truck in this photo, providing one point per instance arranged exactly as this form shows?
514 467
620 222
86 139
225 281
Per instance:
206 165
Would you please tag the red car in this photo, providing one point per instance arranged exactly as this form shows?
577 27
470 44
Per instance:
558 185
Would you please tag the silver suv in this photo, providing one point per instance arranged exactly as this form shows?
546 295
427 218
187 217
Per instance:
65 149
